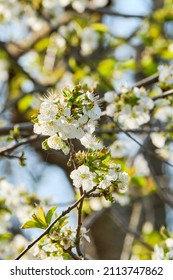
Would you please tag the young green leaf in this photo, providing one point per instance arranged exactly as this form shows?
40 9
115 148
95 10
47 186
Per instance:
50 213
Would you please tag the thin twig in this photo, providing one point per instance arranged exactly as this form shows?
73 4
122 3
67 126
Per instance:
147 81
164 94
23 127
143 148
105 11
161 191
123 225
65 212
137 130
8 149
135 218
79 208
78 230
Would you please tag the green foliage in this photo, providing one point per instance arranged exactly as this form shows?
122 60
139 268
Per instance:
40 219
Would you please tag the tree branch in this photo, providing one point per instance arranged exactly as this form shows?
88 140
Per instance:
23 127
123 225
143 148
161 191
65 212
164 94
4 151
106 11
147 81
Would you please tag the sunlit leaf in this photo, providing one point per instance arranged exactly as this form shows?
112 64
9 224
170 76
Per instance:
25 103
5 236
41 215
50 214
100 27
106 67
30 224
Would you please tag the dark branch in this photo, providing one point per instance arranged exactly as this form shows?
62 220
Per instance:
147 81
23 127
106 11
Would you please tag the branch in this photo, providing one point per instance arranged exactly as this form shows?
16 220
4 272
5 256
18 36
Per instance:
164 94
105 11
18 50
65 212
137 130
4 151
124 226
77 241
23 127
15 61
147 81
79 208
37 88
161 191
143 148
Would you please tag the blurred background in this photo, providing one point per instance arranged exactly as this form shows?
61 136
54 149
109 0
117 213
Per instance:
51 44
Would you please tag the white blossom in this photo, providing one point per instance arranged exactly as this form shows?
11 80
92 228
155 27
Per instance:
99 3
93 113
61 121
55 142
164 114
166 74
109 96
118 149
89 41
83 177
123 181
110 110
48 108
91 142
169 243
84 232
139 92
79 5
170 255
132 118
158 139
66 243
141 166
158 253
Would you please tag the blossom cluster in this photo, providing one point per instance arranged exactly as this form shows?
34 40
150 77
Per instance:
8 10
13 201
57 242
99 172
80 6
68 115
86 37
163 251
131 108
165 75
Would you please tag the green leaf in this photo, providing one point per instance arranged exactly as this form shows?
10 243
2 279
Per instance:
39 218
45 146
4 208
106 67
41 215
30 224
25 103
5 236
100 27
42 44
50 214
62 222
